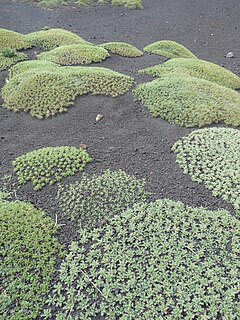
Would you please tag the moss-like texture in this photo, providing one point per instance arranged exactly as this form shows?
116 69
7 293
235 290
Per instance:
189 101
28 251
13 40
45 92
156 261
95 198
31 66
211 156
49 165
75 54
123 49
53 38
196 68
169 49
7 62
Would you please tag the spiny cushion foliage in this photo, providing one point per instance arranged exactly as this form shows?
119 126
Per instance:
97 198
75 54
9 58
162 260
189 101
169 49
53 38
211 156
45 90
196 68
31 65
49 165
130 4
122 49
13 40
28 250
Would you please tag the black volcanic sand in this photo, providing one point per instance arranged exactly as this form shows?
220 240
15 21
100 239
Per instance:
128 137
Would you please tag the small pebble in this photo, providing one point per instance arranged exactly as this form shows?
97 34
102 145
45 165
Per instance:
230 55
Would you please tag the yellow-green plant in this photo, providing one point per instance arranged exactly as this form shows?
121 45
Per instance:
211 156
49 165
9 57
29 251
75 54
53 38
169 49
162 260
196 68
13 40
122 48
189 101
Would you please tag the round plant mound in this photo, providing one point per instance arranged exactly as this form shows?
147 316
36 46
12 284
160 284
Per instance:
122 48
169 49
196 68
95 199
50 165
53 38
9 58
162 260
211 156
29 251
189 101
13 40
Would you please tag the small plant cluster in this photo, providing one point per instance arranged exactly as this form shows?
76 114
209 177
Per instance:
196 68
123 49
52 38
169 49
75 54
9 57
154 261
45 92
29 251
189 101
49 165
211 156
13 40
95 199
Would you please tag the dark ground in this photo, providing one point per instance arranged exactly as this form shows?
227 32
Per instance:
128 137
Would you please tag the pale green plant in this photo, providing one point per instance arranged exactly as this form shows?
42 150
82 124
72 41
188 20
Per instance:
9 57
122 48
13 40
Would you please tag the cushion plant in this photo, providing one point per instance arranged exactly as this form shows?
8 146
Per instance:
49 165
156 261
13 40
28 251
211 156
97 198
122 48
169 49
9 57
189 101
197 68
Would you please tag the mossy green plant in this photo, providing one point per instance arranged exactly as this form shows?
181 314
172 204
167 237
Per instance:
13 40
189 101
169 49
95 199
162 260
49 165
75 54
52 38
123 49
29 251
196 68
9 57
211 156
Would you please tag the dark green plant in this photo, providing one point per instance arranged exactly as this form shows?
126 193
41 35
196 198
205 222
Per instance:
49 165
13 40
156 261
28 251
9 57
8 53
95 199
189 101
122 48
211 156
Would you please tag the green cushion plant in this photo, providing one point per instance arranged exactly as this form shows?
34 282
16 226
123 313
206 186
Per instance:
13 40
28 251
169 49
49 165
196 68
211 156
122 48
189 101
9 57
97 198
75 54
162 260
